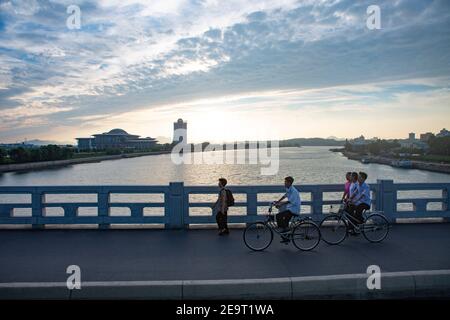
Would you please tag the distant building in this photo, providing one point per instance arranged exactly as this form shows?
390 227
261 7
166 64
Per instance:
360 141
86 143
426 136
115 139
413 144
180 131
443 133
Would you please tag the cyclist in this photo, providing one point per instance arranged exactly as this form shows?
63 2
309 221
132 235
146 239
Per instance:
350 206
346 195
289 208
353 190
362 201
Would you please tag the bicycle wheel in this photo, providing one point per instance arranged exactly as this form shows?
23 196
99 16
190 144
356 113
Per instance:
375 228
333 229
306 236
258 236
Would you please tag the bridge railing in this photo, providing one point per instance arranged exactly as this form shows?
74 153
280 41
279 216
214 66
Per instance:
38 206
175 204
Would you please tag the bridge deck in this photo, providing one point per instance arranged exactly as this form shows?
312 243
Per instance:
41 256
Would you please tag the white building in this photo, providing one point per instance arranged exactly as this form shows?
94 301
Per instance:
360 141
443 133
180 131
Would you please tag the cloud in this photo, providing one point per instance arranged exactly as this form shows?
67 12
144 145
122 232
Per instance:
21 7
346 111
137 55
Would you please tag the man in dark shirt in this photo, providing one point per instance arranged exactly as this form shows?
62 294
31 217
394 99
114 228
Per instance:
220 208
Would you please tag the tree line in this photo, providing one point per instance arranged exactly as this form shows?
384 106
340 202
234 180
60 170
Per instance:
54 152
439 146
43 153
436 146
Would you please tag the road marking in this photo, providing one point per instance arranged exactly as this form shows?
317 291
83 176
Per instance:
213 282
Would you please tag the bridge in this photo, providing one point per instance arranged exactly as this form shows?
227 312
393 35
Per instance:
176 202
181 259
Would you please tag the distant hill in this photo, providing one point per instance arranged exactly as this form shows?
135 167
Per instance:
298 142
335 138
38 142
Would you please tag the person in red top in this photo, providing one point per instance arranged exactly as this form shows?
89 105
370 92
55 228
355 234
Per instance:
346 194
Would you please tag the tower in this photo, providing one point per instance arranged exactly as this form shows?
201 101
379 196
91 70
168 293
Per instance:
180 131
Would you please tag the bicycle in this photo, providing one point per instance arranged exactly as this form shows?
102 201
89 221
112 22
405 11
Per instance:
336 226
303 232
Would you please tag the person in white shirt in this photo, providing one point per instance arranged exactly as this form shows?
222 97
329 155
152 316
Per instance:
362 200
290 207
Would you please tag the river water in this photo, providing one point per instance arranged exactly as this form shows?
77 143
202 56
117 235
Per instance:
308 165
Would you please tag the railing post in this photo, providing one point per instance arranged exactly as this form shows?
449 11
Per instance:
252 204
446 202
175 205
317 204
36 208
185 213
377 197
388 198
103 209
420 206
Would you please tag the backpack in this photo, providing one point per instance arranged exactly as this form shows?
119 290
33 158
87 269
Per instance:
230 198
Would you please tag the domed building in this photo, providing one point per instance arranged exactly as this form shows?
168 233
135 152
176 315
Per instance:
115 139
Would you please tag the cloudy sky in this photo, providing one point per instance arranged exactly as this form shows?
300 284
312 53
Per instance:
235 70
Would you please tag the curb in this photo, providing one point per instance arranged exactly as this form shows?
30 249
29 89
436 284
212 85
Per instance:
394 285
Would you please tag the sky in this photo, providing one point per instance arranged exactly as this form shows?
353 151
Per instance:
234 70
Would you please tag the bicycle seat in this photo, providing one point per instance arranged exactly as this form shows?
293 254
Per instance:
365 213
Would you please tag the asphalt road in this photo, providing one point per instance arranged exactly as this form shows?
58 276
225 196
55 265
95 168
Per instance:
137 255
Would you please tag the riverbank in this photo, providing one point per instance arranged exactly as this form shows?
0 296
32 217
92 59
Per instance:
421 165
61 163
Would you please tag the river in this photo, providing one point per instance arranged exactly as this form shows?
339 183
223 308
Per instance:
308 165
